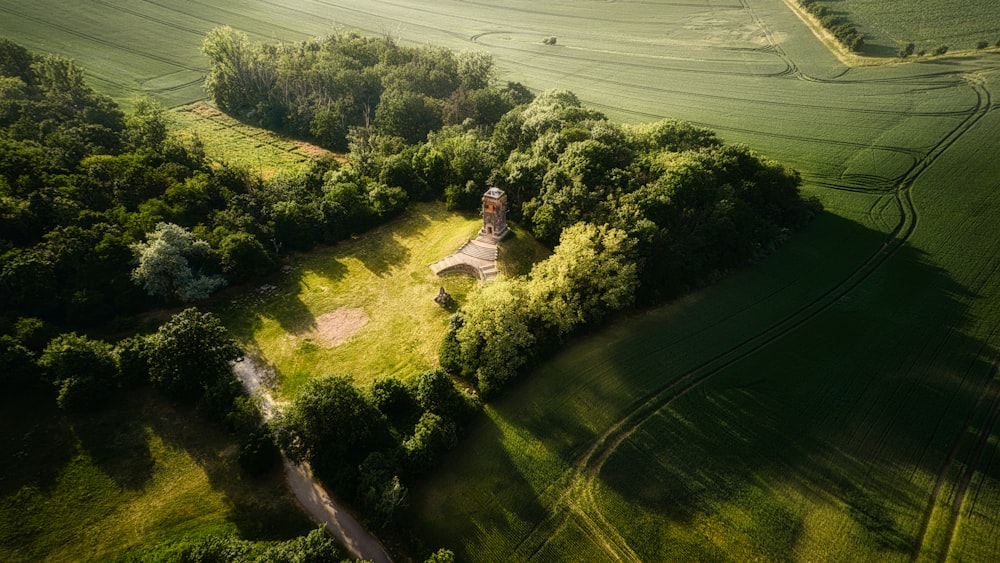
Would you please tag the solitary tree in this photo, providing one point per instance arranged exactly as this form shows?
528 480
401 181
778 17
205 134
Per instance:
190 355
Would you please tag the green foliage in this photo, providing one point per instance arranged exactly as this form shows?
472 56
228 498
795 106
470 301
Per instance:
146 125
394 399
331 425
323 88
169 264
132 358
432 436
82 370
441 556
259 452
18 370
243 257
435 392
941 50
189 356
845 31
315 547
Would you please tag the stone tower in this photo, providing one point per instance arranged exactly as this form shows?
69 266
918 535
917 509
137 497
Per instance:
494 216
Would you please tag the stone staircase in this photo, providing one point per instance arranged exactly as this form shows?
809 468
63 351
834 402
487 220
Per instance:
475 257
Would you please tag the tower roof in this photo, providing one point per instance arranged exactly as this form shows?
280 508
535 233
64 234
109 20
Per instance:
494 192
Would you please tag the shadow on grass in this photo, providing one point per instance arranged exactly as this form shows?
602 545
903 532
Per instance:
262 508
380 249
36 440
844 408
487 507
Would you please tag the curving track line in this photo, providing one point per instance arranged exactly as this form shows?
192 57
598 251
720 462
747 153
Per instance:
117 46
577 499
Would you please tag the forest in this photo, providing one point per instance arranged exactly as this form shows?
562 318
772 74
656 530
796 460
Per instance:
105 214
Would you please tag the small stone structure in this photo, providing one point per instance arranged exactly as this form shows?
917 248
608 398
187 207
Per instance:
478 257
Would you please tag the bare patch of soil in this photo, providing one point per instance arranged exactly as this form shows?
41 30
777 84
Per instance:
337 326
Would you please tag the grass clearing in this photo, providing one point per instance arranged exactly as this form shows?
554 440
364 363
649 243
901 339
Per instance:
141 479
231 141
383 274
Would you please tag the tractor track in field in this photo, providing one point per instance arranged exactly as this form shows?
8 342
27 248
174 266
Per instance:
984 106
577 497
105 42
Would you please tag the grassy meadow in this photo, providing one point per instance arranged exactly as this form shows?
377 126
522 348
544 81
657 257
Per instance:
889 26
385 274
838 401
141 479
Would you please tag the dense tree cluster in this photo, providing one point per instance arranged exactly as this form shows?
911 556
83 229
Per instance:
323 88
645 211
841 28
365 443
315 547
104 213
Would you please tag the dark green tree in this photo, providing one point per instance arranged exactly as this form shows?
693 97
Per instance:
191 354
82 370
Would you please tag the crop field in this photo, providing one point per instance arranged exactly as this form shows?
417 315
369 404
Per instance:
889 26
839 401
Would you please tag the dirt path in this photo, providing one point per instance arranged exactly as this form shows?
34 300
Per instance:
311 495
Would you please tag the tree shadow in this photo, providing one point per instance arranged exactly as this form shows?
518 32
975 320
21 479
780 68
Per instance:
846 426
470 510
117 441
36 440
381 261
261 507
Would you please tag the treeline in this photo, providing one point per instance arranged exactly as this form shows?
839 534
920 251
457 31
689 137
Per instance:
365 444
841 28
322 88
104 213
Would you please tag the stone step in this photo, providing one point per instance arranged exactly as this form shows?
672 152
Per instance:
483 251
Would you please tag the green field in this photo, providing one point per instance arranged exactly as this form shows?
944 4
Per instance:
889 26
837 402
141 479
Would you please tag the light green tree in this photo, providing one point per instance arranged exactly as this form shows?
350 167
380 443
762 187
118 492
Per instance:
165 266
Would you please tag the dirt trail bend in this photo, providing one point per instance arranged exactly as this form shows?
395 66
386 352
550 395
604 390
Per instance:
313 498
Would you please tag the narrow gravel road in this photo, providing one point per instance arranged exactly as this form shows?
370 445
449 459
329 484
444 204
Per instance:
311 495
